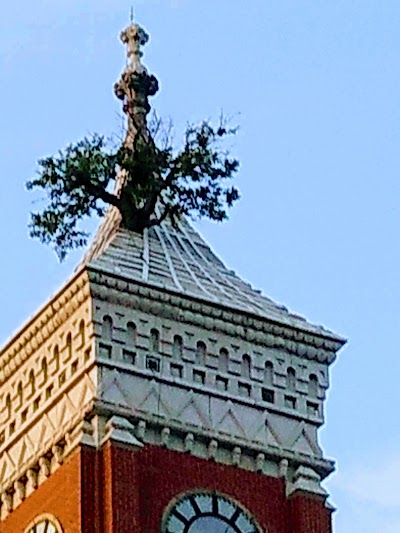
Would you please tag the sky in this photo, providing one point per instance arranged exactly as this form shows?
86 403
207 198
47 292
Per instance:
314 86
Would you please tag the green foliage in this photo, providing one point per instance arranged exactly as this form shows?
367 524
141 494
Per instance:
158 182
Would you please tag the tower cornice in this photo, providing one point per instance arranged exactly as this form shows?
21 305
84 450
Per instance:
214 317
43 324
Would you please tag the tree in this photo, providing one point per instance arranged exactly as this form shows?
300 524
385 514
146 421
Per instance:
152 180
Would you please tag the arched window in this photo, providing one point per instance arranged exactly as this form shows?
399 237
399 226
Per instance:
177 347
246 366
291 379
107 329
131 335
69 345
44 369
82 332
223 360
313 386
32 382
208 511
154 341
8 406
44 523
56 355
269 373
201 350
20 394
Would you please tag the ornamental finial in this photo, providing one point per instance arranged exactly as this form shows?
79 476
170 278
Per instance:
135 85
135 37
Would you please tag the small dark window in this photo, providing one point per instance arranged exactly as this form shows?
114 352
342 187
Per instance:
246 366
312 409
131 335
49 392
199 376
8 406
107 328
82 332
176 370
20 394
221 383
69 345
44 369
32 382
201 350
129 357
56 355
269 373
244 389
291 379
268 395
87 355
313 386
105 351
154 341
177 347
223 360
36 404
74 368
290 402
153 363
61 379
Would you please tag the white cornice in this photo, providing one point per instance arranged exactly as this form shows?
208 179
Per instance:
35 333
116 289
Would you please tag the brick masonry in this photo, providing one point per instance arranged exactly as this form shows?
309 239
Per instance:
118 490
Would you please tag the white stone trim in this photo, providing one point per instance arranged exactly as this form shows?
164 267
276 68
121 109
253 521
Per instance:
119 429
45 516
206 445
121 291
305 479
34 334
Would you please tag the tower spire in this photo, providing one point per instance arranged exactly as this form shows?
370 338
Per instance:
135 85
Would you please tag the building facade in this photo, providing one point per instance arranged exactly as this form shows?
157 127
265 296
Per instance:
158 392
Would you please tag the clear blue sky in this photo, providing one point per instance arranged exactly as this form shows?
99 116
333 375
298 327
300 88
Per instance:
317 86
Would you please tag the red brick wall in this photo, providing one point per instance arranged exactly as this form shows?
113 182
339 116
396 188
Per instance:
59 495
92 484
119 490
310 515
165 474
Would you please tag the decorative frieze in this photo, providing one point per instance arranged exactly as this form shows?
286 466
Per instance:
185 354
45 323
148 403
263 332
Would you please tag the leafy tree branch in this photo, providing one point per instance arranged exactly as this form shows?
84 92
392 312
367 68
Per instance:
156 181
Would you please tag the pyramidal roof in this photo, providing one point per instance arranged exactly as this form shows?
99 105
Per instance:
177 259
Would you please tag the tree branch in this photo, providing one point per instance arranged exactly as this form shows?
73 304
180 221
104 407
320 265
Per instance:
104 195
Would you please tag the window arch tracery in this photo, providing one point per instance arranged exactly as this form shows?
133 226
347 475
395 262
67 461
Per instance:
44 523
207 512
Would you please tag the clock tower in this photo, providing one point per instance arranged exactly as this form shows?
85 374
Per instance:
158 392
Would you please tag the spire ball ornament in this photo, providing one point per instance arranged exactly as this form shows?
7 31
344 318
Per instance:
134 36
135 85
